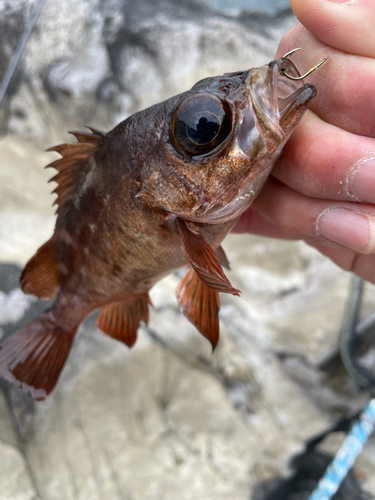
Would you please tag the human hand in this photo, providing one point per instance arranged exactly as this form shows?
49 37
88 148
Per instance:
322 189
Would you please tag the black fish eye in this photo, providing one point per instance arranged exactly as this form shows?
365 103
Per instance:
200 124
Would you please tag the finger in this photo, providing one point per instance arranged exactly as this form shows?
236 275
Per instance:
346 25
345 84
362 265
330 223
252 222
323 161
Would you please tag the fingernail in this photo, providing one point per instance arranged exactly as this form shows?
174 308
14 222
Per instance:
348 228
361 183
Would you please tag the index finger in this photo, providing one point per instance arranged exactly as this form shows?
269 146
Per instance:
347 25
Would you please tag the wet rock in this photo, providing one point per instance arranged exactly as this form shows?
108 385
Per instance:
195 424
96 62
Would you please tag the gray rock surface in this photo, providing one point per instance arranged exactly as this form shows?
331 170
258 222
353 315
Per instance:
95 62
167 419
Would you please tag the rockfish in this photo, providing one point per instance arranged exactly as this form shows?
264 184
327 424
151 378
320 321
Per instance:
158 192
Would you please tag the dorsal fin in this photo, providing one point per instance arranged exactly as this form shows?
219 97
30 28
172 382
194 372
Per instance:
74 165
41 274
203 260
200 304
120 320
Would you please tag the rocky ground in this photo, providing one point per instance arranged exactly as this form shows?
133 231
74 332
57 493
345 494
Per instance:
167 419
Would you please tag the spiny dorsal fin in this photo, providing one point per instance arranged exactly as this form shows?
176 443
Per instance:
41 274
74 165
200 304
120 320
203 260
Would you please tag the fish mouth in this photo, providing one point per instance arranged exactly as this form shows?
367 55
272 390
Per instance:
275 105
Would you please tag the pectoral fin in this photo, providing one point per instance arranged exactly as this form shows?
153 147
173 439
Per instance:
222 258
120 320
200 304
203 260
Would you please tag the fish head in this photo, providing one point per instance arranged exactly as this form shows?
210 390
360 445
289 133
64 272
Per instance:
222 139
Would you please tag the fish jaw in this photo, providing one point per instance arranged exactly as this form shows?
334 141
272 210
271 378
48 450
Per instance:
277 104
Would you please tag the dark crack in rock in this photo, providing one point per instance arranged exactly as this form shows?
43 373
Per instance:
308 469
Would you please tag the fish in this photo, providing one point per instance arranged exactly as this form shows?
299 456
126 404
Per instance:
157 193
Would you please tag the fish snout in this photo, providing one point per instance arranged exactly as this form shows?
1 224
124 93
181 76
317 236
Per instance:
277 102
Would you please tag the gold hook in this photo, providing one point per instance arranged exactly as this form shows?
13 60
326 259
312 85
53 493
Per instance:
318 65
291 52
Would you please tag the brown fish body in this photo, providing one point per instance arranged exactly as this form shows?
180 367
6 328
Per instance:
110 243
160 191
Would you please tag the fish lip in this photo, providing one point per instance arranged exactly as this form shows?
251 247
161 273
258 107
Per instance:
279 92
272 97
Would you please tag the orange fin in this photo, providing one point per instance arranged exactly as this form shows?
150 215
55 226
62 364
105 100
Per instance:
200 304
34 356
41 274
120 320
75 164
203 260
222 258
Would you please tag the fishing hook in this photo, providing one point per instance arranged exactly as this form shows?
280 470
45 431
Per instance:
318 65
291 52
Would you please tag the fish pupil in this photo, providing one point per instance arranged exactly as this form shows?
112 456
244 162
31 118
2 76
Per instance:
202 128
200 124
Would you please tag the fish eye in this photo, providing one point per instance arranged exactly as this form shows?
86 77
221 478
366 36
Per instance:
200 124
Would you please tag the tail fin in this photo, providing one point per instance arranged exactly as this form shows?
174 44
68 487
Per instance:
34 356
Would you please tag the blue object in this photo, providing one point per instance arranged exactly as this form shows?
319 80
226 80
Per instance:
345 457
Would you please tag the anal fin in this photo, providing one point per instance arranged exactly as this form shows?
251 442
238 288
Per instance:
120 320
203 260
200 304
41 274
